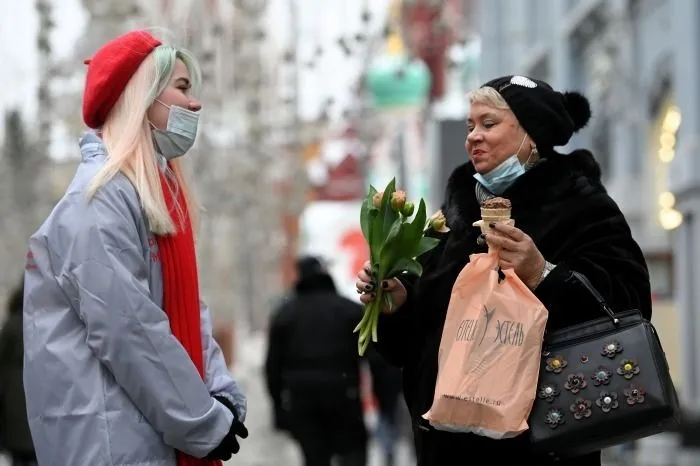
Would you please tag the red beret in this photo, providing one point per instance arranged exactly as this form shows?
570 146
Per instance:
110 70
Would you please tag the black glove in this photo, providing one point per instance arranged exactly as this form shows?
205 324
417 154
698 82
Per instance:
229 445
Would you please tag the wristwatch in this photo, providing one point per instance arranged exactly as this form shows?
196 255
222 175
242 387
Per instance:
548 267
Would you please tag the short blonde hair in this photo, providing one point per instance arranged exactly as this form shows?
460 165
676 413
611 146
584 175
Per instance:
487 96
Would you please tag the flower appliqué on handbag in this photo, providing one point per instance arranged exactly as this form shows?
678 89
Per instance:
628 368
548 392
554 418
635 395
607 401
555 364
612 349
575 383
602 376
581 409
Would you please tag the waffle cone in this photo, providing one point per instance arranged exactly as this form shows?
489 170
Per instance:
484 223
490 213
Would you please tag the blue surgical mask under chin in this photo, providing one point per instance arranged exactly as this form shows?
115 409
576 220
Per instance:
504 175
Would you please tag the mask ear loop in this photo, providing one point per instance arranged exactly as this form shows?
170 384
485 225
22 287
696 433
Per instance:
166 106
521 146
532 152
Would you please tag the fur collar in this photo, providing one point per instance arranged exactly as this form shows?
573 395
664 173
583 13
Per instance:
559 176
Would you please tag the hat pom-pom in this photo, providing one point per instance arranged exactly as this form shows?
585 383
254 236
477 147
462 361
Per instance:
578 107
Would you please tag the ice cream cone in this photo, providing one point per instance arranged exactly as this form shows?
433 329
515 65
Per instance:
484 223
495 210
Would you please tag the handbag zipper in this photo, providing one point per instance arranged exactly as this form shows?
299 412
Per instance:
591 336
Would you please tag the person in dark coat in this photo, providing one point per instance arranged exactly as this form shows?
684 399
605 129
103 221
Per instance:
14 429
312 370
564 221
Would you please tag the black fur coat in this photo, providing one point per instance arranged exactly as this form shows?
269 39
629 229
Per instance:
563 206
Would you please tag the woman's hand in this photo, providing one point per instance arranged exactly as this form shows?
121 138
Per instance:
367 287
517 252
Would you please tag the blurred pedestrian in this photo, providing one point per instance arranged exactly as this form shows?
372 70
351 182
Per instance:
313 370
15 436
120 363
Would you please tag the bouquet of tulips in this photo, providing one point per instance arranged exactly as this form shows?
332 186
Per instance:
395 241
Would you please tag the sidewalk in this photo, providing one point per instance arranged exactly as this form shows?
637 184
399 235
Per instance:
264 446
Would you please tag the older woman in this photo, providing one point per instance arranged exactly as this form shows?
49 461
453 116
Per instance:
565 221
120 364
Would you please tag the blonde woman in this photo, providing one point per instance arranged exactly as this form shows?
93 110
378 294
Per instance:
565 222
120 364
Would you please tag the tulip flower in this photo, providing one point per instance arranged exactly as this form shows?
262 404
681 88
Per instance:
398 200
395 242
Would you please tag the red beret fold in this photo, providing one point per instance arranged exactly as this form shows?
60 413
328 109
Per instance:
110 70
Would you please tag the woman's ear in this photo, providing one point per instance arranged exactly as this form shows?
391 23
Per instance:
533 146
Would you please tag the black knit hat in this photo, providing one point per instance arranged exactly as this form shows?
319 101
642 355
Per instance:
549 117
310 266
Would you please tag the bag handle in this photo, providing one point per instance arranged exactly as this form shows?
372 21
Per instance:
598 297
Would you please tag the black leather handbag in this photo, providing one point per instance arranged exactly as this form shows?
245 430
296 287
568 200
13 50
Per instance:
601 383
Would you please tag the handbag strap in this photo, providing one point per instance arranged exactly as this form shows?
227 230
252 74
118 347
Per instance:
598 297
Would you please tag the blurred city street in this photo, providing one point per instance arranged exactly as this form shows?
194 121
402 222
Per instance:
306 107
264 446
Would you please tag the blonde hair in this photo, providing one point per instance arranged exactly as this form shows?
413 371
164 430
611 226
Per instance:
127 138
487 96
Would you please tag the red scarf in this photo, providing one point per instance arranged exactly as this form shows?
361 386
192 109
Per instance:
181 289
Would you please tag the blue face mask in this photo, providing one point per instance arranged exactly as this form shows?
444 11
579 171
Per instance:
179 134
504 175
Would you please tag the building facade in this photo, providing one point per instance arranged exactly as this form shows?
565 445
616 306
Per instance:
637 61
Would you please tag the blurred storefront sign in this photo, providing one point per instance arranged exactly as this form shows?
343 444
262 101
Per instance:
334 169
331 230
